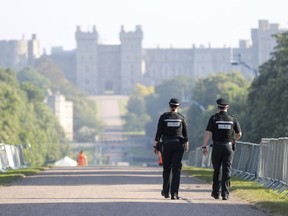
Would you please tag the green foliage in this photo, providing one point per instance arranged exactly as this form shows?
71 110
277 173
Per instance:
136 117
134 122
13 175
195 97
32 76
33 92
157 103
231 86
10 111
86 125
25 118
268 97
8 77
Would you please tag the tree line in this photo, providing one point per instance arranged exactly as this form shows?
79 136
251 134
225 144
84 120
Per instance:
25 118
260 105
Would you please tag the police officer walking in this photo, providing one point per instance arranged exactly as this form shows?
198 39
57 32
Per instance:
225 131
172 130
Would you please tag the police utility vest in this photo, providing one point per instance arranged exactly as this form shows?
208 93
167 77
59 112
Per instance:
223 127
172 125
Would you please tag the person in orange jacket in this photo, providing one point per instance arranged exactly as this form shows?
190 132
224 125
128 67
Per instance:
82 159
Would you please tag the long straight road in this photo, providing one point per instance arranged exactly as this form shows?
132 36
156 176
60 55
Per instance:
110 114
112 191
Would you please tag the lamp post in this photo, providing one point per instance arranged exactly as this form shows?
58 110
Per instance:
238 61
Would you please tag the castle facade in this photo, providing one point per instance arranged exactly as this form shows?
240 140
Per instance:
115 69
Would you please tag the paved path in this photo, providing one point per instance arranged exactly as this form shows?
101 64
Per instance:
109 191
110 109
109 113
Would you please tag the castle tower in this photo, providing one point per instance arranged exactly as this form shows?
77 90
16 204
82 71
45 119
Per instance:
263 42
131 58
87 76
33 50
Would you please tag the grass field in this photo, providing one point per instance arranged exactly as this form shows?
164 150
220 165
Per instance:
258 195
13 175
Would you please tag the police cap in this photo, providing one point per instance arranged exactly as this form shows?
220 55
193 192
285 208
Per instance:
174 102
222 102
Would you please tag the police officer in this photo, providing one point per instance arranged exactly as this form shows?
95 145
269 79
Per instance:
172 130
225 131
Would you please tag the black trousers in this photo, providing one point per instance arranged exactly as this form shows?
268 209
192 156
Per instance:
172 155
222 155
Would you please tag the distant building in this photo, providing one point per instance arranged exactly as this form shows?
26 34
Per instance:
63 110
103 69
115 69
18 54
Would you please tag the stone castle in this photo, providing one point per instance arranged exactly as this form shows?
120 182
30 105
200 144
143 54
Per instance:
115 69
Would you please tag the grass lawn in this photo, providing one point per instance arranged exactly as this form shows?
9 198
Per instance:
13 175
257 194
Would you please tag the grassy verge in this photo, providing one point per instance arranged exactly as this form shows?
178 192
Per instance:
263 198
13 175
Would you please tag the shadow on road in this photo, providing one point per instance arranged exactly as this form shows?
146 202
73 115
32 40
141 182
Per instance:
124 209
111 191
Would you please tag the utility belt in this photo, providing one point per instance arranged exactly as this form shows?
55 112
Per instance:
223 143
171 139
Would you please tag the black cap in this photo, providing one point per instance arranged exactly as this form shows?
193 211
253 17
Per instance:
222 102
174 102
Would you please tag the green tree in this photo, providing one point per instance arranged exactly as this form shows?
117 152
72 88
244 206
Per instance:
10 109
268 97
86 125
136 117
231 86
33 92
157 103
32 76
25 118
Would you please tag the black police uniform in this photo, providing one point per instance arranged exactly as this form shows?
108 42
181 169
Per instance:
172 130
223 126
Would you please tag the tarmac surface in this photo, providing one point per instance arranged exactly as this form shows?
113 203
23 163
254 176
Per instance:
112 190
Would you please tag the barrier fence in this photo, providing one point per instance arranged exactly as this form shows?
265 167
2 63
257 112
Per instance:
266 163
14 156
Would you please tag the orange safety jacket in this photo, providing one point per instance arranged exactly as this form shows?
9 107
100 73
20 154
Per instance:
82 160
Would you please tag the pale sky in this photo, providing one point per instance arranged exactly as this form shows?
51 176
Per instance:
180 23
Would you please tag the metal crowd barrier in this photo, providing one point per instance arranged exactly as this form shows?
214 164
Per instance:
266 163
273 163
14 156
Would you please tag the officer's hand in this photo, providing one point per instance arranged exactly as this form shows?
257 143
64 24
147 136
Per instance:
186 146
155 150
204 151
155 147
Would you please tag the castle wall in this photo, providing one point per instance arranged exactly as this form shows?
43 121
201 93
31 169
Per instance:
18 54
115 69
